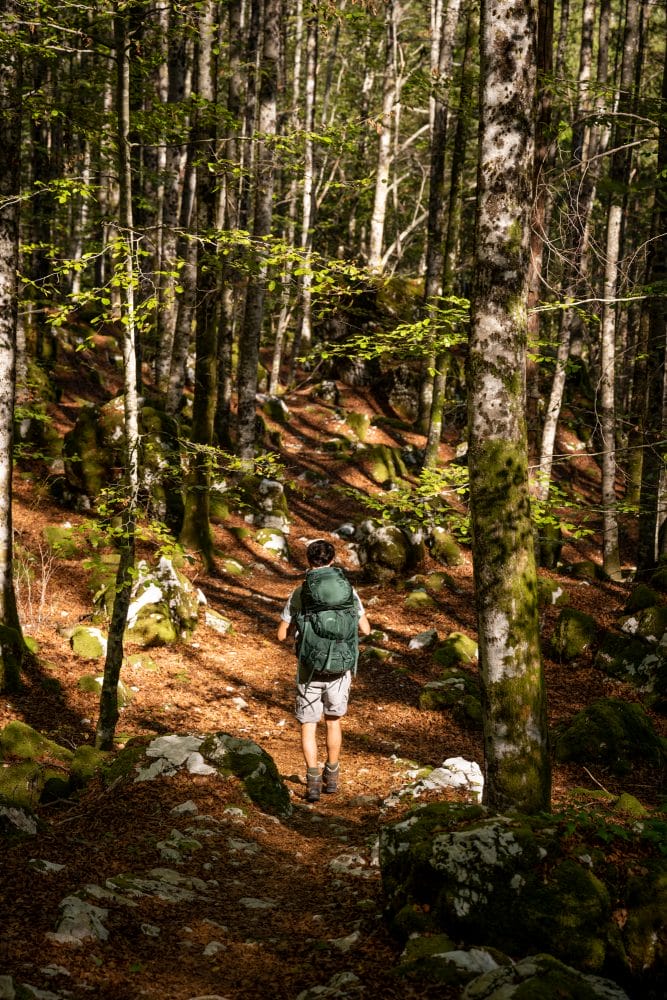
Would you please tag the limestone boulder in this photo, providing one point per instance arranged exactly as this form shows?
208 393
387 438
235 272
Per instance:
611 732
574 633
541 976
465 871
386 551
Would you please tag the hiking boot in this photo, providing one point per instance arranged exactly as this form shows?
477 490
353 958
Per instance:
313 787
331 776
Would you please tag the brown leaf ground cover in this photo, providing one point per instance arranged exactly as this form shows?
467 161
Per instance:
242 683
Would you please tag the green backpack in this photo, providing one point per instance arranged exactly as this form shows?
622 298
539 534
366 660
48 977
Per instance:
327 624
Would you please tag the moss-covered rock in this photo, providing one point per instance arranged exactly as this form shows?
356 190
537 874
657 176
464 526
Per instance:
164 606
551 593
444 547
93 685
457 690
274 542
232 567
386 551
253 766
419 600
262 501
466 871
611 732
18 739
29 782
16 820
456 648
574 633
359 423
276 409
642 596
647 623
86 764
586 569
384 464
541 977
88 642
631 659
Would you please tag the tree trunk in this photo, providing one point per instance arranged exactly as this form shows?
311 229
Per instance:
179 66
196 530
651 535
541 211
587 151
619 175
108 717
514 698
229 293
441 71
307 202
390 96
12 647
264 181
442 358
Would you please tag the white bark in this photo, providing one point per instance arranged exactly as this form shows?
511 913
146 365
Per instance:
390 99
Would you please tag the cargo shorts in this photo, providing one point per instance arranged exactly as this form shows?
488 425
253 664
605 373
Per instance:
318 697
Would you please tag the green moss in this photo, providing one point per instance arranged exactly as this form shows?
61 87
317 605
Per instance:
359 423
62 540
612 732
573 634
642 597
419 599
88 643
456 648
20 740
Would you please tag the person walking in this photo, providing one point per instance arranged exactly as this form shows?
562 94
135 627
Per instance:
325 615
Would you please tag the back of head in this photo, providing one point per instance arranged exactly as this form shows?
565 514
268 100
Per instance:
320 553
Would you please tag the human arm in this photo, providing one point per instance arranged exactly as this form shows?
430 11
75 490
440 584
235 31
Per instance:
283 630
364 625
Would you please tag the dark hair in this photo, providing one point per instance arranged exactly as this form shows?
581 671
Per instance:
320 553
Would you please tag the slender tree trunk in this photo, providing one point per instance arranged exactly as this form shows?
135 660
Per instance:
185 315
541 211
307 202
248 150
441 71
514 699
390 97
586 150
231 154
303 334
196 530
179 69
620 172
442 359
264 182
651 534
12 646
286 298
108 717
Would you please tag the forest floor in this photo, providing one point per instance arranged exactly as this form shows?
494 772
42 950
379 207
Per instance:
321 920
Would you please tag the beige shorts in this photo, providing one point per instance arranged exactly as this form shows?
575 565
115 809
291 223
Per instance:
323 697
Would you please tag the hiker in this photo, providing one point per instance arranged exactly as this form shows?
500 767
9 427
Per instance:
325 615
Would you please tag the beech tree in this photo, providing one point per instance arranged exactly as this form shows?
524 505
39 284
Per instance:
517 774
108 717
11 638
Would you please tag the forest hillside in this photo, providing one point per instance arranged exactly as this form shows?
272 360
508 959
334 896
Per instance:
294 901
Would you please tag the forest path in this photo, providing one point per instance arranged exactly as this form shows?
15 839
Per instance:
285 906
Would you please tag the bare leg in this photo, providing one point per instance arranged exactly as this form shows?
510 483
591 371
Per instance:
334 740
309 743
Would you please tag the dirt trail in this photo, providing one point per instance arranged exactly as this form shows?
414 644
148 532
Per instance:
293 903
